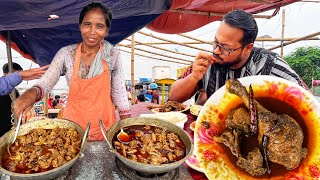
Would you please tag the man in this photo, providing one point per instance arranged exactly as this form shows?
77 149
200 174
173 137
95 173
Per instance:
56 101
141 106
233 57
155 94
8 85
10 81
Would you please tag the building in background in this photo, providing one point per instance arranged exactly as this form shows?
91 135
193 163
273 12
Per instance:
160 72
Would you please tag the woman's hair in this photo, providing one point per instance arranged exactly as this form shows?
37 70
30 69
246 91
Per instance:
96 5
245 21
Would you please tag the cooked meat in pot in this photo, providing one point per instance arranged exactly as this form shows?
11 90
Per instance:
150 145
41 150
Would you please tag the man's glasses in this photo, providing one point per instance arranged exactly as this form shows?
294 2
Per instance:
225 51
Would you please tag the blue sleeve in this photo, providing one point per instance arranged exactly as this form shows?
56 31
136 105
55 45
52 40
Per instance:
8 83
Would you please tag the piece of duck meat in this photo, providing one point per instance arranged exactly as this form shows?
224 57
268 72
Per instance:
285 136
230 138
253 164
239 119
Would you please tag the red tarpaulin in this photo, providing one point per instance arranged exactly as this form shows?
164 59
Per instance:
178 22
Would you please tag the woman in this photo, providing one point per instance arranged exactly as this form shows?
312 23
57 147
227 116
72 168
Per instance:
94 74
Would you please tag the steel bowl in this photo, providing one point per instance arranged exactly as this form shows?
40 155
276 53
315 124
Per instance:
142 167
46 124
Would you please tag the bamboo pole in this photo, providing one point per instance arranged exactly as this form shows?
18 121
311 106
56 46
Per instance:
158 54
154 58
284 39
13 92
296 40
186 36
310 1
207 13
45 111
163 49
210 42
133 97
146 34
282 32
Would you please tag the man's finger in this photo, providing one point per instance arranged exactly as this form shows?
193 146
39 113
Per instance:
202 62
44 67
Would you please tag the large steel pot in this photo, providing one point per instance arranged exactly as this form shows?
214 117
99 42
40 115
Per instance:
46 124
142 167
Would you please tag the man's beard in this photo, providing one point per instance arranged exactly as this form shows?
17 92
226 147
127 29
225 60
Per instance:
228 64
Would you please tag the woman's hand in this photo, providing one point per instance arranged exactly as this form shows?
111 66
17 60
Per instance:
25 102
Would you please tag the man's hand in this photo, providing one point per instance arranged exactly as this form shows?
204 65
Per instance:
201 65
34 73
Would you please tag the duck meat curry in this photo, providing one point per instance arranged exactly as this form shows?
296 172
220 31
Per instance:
42 150
150 145
279 136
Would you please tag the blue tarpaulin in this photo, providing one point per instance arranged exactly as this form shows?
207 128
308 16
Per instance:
35 35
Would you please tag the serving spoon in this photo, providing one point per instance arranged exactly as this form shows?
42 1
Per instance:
15 134
123 136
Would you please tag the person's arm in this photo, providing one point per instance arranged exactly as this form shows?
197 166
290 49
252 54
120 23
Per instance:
182 89
57 67
118 90
9 82
25 102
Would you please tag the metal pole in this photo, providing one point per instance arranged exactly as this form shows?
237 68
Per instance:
282 32
132 71
13 93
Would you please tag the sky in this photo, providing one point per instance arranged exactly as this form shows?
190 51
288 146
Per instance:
301 19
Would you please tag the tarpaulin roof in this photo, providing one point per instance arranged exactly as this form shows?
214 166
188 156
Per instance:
173 22
38 38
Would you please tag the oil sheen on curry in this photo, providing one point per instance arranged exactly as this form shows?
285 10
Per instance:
149 145
263 137
41 150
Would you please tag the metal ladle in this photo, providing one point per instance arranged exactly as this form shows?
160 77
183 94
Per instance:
15 134
123 136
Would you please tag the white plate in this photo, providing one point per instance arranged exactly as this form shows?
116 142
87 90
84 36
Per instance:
193 163
176 118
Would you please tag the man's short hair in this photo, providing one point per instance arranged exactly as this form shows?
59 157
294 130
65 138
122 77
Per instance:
15 67
245 21
56 96
141 98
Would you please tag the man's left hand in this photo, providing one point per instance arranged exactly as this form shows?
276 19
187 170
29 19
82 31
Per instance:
34 73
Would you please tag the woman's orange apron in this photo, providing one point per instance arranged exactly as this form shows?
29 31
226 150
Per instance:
90 99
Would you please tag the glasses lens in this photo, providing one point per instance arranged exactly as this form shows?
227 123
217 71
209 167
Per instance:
221 48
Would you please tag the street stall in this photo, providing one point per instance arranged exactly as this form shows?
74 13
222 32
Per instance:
164 88
44 34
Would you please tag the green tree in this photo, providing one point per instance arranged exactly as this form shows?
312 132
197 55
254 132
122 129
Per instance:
306 62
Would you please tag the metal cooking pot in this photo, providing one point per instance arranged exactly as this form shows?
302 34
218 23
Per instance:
142 167
46 124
